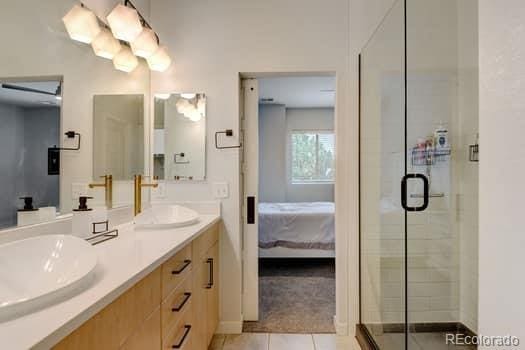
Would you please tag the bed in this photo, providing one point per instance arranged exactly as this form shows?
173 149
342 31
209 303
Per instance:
288 230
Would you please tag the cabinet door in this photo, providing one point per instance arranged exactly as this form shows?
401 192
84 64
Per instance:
200 316
147 336
212 293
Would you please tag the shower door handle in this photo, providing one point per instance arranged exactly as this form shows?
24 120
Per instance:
404 192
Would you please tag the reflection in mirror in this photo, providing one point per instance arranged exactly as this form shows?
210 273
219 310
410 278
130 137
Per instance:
179 151
29 160
118 136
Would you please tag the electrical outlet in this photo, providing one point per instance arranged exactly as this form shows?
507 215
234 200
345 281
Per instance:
221 190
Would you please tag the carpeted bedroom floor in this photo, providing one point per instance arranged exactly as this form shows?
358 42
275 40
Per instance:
295 296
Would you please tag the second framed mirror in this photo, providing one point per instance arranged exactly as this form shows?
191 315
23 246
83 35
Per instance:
179 138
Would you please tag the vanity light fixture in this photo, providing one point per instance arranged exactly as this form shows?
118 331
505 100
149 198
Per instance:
125 23
145 44
127 28
160 60
125 60
105 45
81 24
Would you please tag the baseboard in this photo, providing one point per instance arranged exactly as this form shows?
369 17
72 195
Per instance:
229 327
341 328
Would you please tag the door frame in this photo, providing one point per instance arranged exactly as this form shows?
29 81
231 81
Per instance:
342 250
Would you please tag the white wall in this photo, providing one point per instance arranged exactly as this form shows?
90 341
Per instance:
212 42
36 45
502 170
272 153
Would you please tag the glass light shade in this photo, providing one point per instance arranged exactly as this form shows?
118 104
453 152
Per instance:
160 60
125 60
81 24
188 96
201 107
125 23
183 106
105 45
194 115
146 44
162 96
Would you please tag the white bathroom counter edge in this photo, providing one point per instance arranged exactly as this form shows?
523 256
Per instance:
122 262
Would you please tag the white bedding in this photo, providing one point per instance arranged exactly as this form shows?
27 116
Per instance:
297 225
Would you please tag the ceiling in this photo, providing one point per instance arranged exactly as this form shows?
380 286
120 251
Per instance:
298 92
30 99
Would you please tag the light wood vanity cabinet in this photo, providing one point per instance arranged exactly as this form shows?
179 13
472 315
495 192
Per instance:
175 307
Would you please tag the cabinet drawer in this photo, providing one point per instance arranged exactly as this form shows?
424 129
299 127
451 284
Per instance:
175 270
205 241
147 336
176 304
182 334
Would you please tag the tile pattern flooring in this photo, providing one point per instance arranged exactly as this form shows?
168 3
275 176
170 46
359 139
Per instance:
276 341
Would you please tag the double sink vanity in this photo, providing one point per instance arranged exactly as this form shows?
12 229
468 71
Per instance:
155 286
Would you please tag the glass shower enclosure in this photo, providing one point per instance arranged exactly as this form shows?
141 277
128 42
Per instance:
419 177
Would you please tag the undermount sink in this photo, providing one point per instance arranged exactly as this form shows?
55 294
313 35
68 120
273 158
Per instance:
39 270
166 217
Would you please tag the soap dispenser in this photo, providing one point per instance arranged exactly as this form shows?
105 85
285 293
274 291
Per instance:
82 218
28 215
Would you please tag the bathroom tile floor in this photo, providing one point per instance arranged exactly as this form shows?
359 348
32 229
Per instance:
278 341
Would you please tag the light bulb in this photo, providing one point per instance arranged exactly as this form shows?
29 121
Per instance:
125 60
145 44
160 60
125 23
188 96
81 24
105 45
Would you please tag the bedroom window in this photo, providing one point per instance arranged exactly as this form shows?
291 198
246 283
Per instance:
312 157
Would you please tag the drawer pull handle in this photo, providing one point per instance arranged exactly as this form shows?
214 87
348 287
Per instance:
184 266
181 342
186 298
210 283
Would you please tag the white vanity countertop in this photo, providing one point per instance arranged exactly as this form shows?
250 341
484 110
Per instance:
122 262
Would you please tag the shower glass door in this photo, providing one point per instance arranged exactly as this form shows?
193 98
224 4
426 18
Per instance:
442 121
419 177
382 165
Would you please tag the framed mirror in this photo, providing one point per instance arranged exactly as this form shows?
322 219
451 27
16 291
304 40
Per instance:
30 116
179 137
118 136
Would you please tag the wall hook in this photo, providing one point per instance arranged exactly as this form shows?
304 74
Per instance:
229 133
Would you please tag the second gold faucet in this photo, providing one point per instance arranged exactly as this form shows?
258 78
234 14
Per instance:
108 189
138 192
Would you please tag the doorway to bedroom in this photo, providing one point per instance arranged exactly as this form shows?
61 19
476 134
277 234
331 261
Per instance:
289 225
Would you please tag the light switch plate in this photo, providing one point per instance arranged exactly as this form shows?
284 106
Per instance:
221 190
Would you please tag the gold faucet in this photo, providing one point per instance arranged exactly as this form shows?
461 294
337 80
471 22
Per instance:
138 192
108 189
